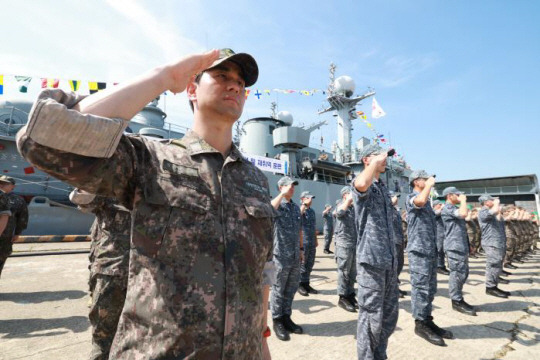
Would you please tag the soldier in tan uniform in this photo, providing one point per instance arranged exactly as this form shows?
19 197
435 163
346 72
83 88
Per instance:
202 218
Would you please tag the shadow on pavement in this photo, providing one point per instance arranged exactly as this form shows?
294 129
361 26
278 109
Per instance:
41 296
332 329
27 328
491 330
312 306
505 305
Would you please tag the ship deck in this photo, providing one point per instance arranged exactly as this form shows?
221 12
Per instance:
43 313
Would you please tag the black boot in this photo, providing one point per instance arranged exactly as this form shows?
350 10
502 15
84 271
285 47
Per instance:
345 304
291 326
505 273
445 334
352 300
463 307
327 251
443 271
511 266
310 289
503 281
302 290
425 332
495 291
280 330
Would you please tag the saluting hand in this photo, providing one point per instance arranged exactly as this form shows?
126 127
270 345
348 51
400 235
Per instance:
180 73
462 198
430 181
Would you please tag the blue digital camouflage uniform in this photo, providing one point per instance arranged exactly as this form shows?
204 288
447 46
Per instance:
309 240
440 240
493 243
328 229
422 252
456 247
399 238
345 235
376 265
286 258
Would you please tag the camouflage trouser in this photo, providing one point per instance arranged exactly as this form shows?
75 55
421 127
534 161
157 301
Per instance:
494 261
378 314
346 267
309 260
473 242
400 254
510 249
3 258
283 290
108 298
328 234
423 269
440 252
458 265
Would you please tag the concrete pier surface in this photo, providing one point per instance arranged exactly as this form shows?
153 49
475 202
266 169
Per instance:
43 313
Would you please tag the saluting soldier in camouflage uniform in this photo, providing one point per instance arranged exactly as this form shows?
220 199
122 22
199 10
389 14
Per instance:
493 243
456 246
346 251
472 230
109 260
509 215
399 237
422 254
15 218
288 255
328 228
441 262
376 260
201 212
310 242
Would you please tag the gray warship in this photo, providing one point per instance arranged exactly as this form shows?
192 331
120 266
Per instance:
272 143
50 211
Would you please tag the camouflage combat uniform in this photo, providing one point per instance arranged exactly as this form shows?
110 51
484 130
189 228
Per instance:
478 235
422 253
109 260
440 241
202 233
328 229
6 247
404 226
398 239
309 241
286 258
472 230
456 247
511 241
376 265
345 250
493 243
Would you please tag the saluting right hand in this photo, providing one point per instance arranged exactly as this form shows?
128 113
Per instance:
462 198
285 189
180 73
379 159
430 181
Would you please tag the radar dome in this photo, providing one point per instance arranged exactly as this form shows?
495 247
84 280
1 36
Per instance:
344 85
286 117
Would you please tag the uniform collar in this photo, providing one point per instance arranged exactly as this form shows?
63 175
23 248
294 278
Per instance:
197 145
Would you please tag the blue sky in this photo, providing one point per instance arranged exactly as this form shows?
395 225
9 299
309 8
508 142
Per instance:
458 79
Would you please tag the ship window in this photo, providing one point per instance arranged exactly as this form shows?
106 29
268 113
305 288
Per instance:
271 129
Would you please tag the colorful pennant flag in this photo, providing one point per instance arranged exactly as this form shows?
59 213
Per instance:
376 110
267 92
49 83
359 113
247 93
96 86
1 84
74 84
24 82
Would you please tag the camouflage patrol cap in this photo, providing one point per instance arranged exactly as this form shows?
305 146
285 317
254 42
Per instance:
345 190
451 190
7 179
246 62
284 181
419 174
486 197
436 202
371 149
307 195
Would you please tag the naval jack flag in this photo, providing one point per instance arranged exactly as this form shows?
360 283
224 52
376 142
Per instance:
376 110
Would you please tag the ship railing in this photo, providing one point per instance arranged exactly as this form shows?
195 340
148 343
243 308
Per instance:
170 127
